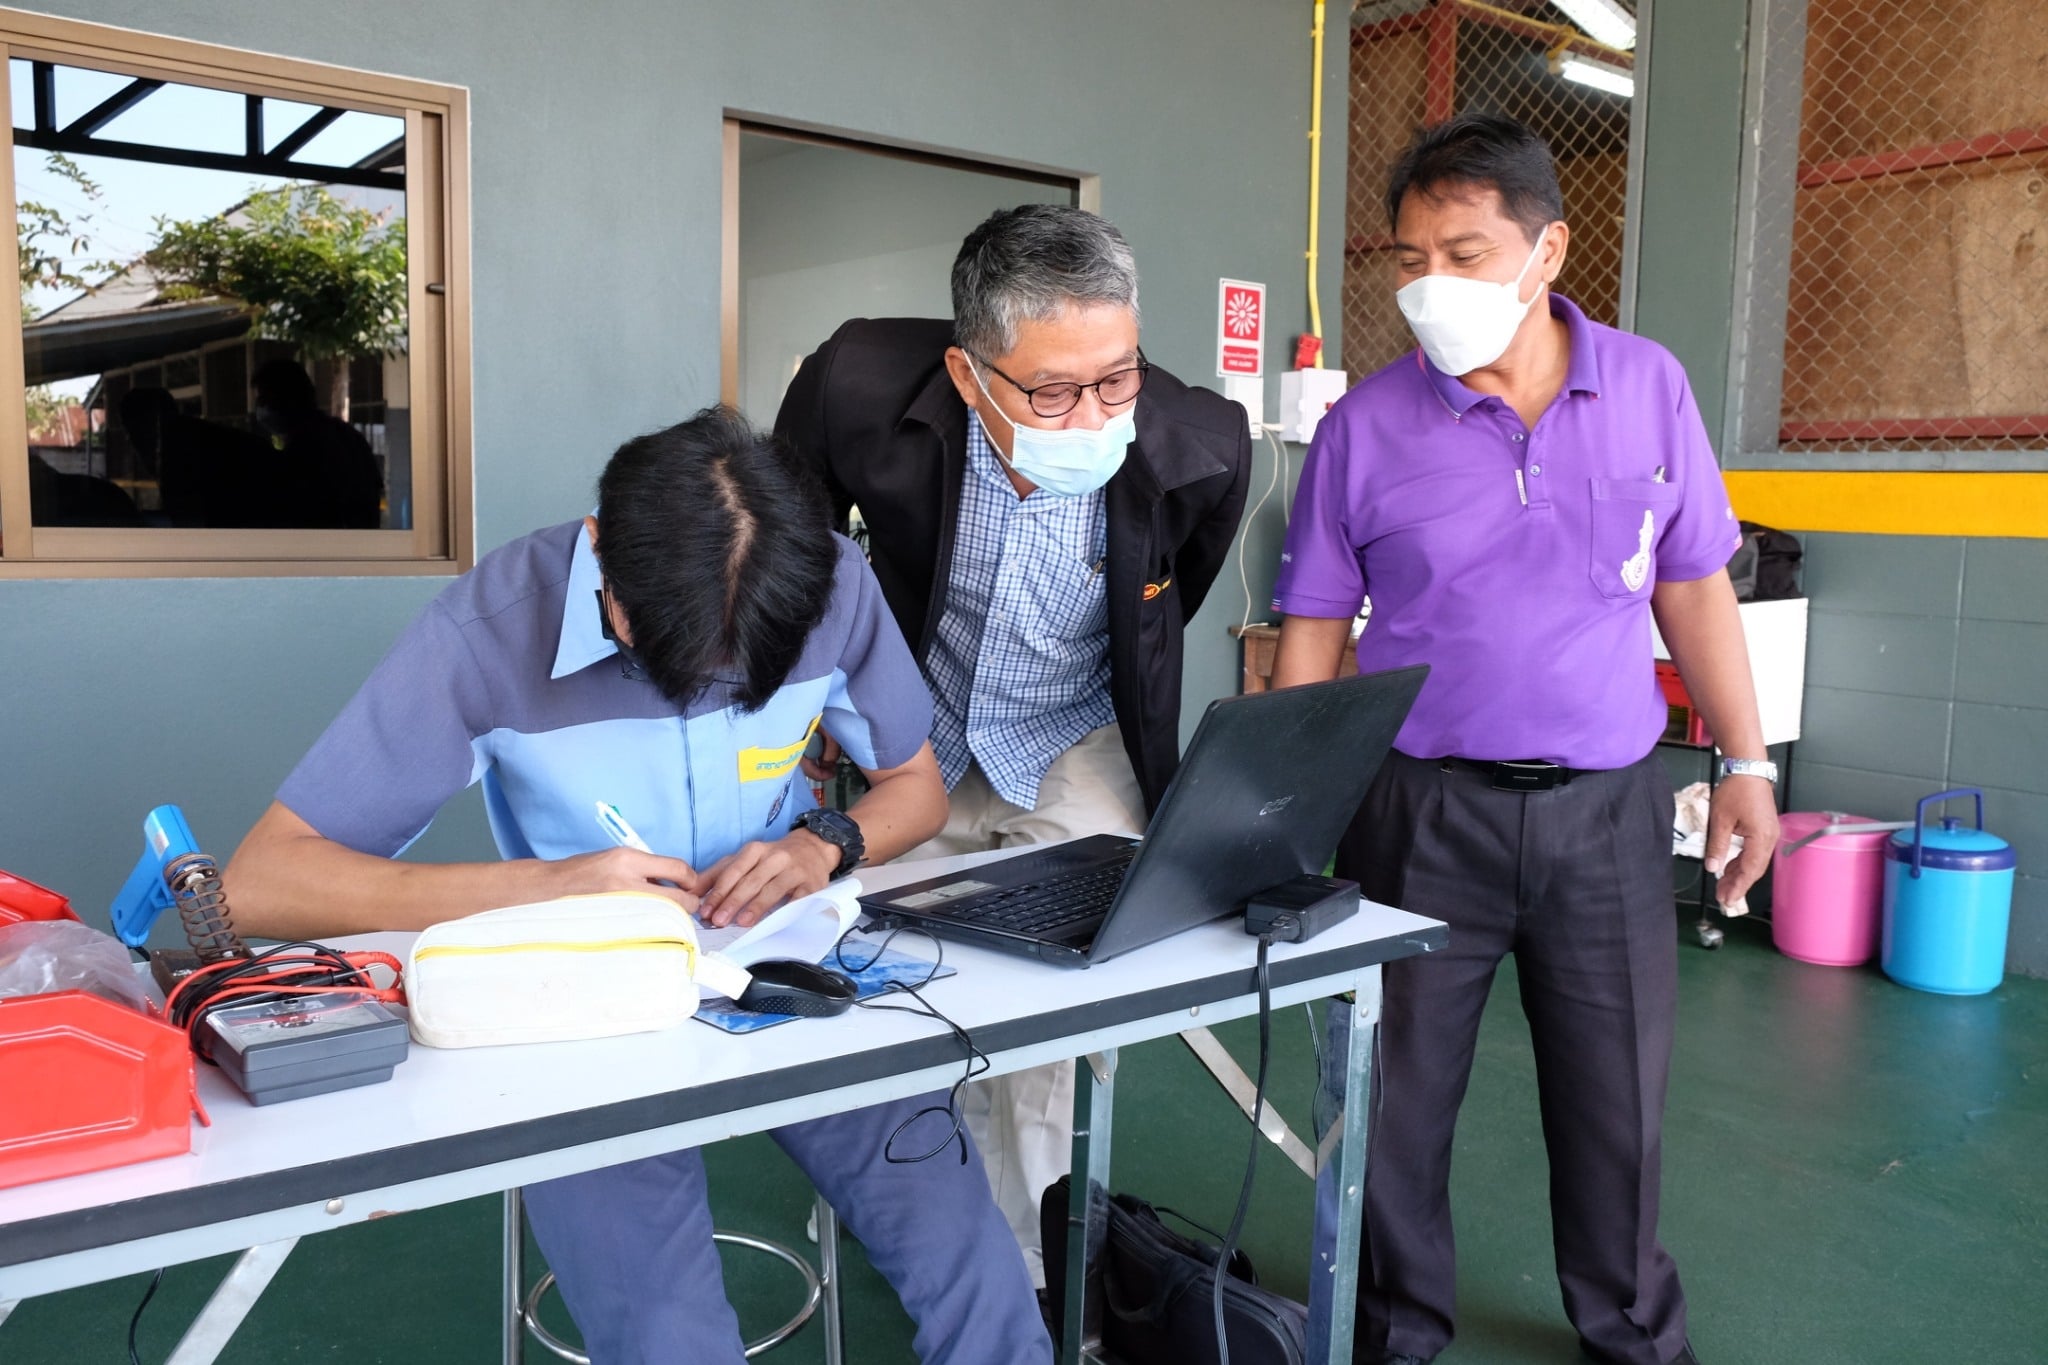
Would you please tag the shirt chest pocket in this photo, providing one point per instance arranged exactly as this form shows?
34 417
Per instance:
1629 517
1066 607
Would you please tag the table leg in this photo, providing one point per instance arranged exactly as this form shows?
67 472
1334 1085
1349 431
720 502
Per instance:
513 1258
828 1277
1087 1218
1343 1103
244 1283
1243 1092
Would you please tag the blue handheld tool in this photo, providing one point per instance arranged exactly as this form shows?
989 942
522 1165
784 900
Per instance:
173 872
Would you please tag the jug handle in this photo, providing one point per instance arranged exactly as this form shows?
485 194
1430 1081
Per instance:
1920 816
1851 827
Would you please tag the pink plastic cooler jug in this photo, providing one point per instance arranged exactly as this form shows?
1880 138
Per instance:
1827 895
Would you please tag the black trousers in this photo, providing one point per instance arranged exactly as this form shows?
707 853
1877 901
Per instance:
1576 882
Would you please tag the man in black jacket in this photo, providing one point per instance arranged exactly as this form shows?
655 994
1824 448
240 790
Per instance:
1046 511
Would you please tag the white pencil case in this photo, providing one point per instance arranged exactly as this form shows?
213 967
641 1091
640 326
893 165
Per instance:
578 967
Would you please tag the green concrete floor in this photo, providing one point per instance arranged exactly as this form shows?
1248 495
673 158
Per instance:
1855 1173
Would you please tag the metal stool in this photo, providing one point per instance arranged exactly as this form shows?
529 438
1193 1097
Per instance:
821 1287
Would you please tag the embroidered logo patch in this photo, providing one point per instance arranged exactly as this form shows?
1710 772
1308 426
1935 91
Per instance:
1153 590
758 764
1635 570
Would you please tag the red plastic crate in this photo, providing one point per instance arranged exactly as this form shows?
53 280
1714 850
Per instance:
1683 724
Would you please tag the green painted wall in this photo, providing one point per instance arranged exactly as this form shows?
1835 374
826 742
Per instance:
596 171
1691 152
831 233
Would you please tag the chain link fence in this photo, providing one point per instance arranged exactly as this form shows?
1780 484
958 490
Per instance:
1417 62
1916 312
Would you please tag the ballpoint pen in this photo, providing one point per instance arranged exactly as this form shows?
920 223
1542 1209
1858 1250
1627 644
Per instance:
615 826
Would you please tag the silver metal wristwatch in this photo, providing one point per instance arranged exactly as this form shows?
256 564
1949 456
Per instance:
1750 767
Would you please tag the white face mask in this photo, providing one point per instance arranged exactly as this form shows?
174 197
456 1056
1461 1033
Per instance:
1067 462
1465 325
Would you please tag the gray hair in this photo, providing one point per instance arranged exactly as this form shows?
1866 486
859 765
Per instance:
1032 263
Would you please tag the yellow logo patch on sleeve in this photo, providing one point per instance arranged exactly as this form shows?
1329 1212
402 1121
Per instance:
761 764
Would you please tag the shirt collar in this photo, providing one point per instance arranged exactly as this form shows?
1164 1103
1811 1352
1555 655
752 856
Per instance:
1582 370
982 460
583 642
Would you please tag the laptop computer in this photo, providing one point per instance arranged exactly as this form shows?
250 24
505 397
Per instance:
1268 785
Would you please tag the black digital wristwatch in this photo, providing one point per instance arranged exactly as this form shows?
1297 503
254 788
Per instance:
838 829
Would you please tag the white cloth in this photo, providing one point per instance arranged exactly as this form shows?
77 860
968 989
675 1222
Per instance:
1023 1123
1689 834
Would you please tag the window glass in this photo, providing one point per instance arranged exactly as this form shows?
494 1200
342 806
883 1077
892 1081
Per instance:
214 305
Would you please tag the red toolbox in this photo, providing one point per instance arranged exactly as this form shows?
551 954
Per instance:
85 1082
21 899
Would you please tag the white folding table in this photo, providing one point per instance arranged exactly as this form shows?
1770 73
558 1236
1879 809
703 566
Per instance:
453 1125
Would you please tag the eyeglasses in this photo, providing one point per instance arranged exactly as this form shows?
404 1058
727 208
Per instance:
630 667
1058 399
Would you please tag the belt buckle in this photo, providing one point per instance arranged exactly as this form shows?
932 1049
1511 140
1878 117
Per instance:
1512 776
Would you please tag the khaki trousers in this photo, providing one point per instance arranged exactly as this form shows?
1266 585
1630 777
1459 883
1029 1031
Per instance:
1023 1123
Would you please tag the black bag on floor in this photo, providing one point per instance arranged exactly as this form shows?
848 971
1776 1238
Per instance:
1156 1285
1766 564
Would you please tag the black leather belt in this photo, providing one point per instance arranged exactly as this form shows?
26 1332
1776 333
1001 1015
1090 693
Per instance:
1516 775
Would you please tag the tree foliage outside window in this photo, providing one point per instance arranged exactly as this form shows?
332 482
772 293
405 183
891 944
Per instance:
323 275
52 245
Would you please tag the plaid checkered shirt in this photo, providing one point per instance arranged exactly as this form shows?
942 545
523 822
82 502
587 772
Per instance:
1019 668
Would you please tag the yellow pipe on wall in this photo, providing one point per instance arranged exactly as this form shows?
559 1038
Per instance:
1315 178
1895 503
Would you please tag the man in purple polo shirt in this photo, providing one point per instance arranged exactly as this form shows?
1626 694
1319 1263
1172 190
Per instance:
1519 498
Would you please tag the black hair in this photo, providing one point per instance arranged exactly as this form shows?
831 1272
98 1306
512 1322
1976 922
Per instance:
717 546
285 385
1481 152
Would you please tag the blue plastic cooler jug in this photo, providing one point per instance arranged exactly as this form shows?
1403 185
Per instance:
1947 903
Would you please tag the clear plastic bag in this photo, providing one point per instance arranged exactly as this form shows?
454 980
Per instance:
40 956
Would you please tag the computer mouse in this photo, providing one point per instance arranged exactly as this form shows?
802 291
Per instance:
787 985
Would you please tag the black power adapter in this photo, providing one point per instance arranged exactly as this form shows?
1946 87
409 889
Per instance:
1301 907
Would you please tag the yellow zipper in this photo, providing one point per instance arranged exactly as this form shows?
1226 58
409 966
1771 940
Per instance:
564 946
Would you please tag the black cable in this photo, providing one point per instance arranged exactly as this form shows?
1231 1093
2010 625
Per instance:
314 964
134 1355
1251 1165
977 1060
938 952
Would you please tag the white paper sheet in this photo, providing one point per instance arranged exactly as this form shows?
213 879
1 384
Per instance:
804 929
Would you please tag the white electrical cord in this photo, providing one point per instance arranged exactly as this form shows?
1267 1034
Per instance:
1286 467
1280 471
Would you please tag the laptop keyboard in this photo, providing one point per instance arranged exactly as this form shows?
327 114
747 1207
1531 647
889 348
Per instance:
1042 908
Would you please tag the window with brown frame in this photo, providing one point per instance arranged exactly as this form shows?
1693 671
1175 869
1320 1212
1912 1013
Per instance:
243 340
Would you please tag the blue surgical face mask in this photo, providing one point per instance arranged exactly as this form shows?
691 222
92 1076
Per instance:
1067 462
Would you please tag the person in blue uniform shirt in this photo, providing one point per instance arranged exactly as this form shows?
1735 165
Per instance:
671 655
